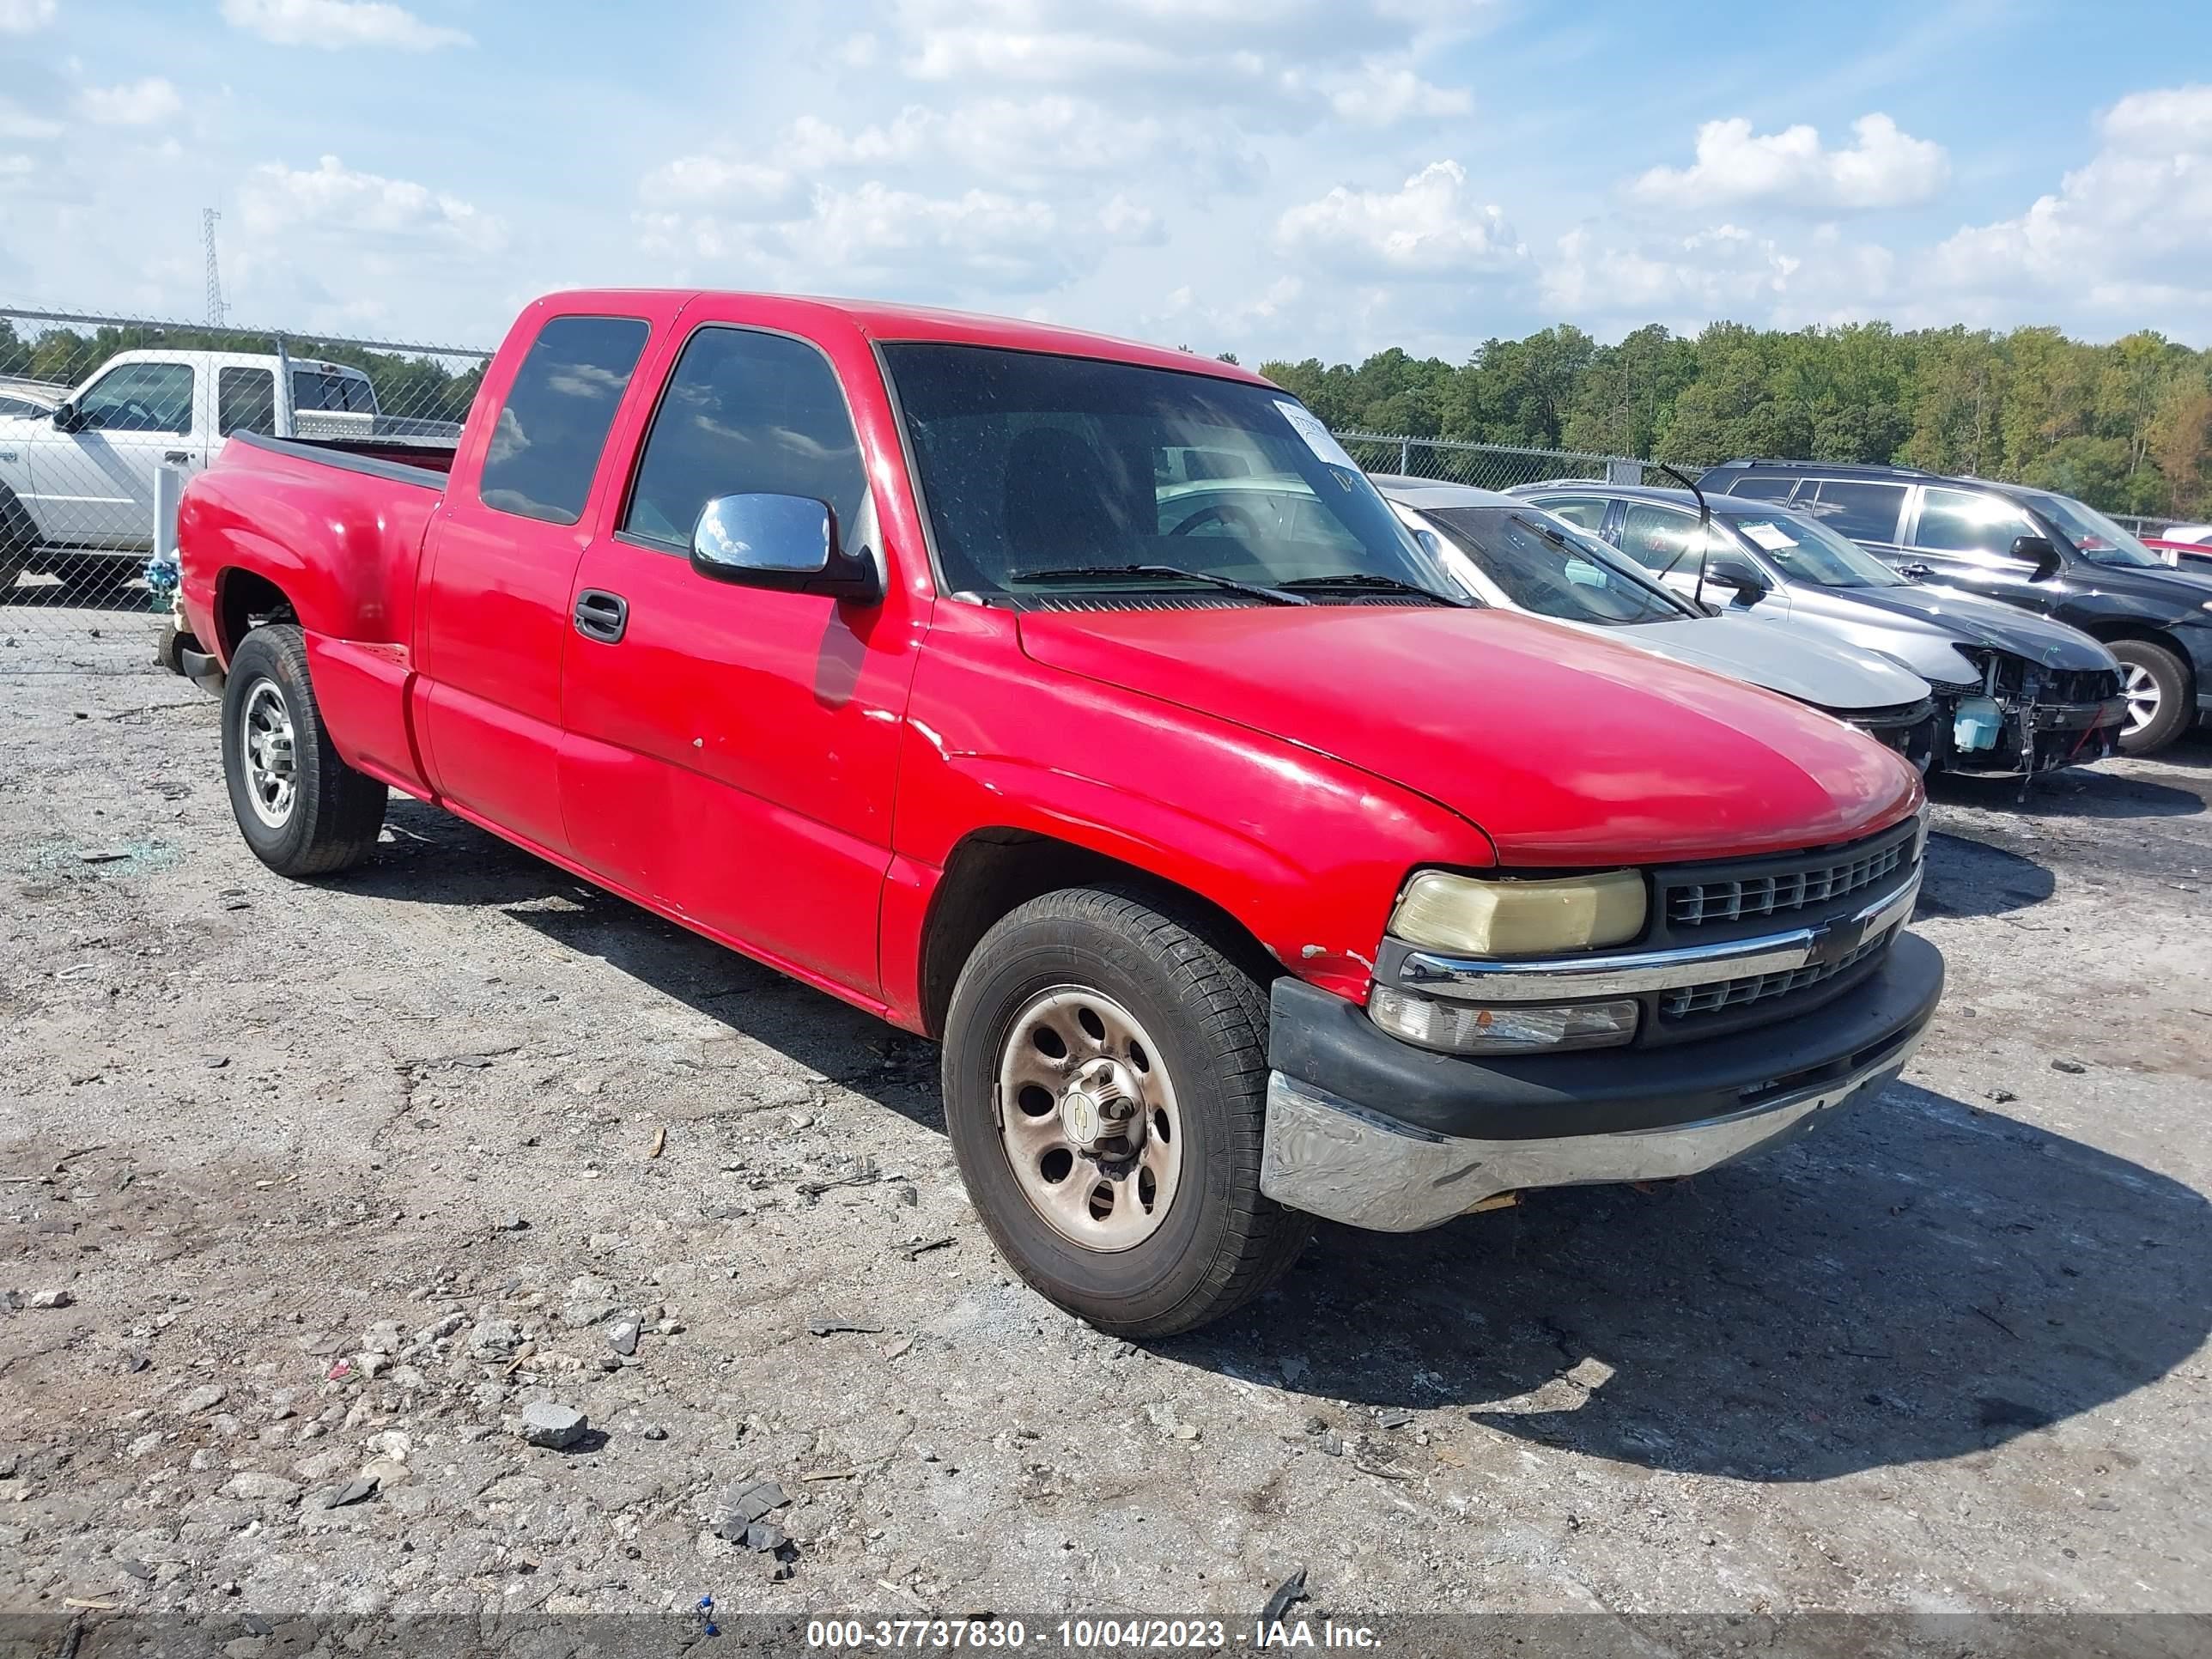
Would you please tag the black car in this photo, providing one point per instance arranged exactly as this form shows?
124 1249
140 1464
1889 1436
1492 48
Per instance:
2032 548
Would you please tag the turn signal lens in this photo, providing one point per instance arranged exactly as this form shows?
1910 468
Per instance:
1499 916
1472 1027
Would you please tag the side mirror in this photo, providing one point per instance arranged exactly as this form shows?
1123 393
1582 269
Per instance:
1750 586
66 417
2041 552
786 543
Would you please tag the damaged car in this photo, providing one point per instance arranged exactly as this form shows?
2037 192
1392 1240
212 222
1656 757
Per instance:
2016 693
1509 553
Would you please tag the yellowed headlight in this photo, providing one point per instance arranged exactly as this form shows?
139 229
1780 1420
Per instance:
1497 916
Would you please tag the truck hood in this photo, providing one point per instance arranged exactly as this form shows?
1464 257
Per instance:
1972 619
1811 671
1567 750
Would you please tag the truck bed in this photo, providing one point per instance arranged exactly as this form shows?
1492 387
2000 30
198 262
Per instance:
398 461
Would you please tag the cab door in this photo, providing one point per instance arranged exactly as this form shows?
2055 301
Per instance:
494 595
93 484
730 752
1964 539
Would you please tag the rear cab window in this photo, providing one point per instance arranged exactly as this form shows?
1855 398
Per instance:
744 412
545 444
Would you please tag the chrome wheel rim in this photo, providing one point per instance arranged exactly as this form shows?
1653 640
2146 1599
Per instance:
2140 688
265 743
1088 1119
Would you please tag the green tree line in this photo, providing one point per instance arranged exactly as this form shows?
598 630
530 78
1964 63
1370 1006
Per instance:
420 388
2126 427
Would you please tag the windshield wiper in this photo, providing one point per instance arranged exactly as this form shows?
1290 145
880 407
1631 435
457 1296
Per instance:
1084 573
1369 580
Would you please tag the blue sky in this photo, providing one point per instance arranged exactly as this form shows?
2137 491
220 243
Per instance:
1273 177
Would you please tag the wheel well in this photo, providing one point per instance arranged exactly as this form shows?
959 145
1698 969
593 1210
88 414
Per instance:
994 871
2114 633
242 600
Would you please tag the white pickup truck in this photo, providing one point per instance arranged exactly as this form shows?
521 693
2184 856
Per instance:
78 479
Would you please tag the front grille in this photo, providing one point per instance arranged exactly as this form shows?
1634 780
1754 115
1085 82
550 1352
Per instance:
1722 993
1820 880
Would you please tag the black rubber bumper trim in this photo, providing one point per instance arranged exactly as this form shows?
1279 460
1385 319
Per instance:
1330 1043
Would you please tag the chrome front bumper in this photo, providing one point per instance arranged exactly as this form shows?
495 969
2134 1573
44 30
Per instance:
1326 1156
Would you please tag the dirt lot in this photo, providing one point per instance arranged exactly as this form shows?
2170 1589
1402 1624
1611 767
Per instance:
340 1178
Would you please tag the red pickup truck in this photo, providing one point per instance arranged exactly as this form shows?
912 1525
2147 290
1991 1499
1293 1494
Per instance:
1079 704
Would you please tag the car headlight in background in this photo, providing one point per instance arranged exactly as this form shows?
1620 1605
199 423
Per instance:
1472 1027
1494 916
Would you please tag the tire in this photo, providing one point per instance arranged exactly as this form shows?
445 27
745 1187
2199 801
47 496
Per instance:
19 539
2160 696
1188 1029
322 817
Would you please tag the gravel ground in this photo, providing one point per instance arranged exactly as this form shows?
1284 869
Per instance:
334 1183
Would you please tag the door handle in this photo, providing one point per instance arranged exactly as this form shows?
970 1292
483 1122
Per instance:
602 615
178 456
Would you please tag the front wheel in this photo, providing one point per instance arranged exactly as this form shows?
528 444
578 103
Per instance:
301 808
1105 1089
2155 683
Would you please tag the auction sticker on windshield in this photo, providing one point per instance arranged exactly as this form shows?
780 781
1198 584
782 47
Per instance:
1771 537
1317 436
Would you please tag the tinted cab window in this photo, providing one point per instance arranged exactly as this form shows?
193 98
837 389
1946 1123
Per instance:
545 445
1764 486
1584 512
1659 537
745 413
244 400
1968 521
1864 512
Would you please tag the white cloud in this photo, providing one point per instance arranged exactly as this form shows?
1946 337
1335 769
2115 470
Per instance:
23 17
1791 169
1124 220
1431 227
331 198
1019 139
19 124
2129 233
334 24
1384 95
978 236
725 184
17 166
135 104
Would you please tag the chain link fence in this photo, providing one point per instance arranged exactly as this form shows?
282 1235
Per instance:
1489 467
103 418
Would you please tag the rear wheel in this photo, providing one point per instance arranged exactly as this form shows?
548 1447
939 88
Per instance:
19 539
301 808
2155 682
1105 1088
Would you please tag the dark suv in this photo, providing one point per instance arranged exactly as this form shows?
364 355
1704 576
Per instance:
2028 547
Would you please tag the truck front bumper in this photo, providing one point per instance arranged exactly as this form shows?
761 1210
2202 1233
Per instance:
1365 1129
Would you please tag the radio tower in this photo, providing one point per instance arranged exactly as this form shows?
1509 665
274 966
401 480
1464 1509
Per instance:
216 307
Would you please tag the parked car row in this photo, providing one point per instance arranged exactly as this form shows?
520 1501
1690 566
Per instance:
2031 549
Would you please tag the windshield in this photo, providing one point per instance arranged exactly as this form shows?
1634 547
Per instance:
2095 537
1552 568
1808 551
1043 467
